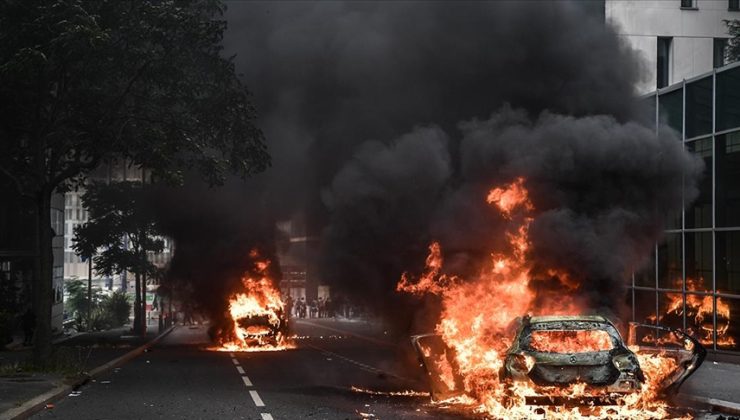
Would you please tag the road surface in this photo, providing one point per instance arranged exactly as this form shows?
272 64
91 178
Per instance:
180 378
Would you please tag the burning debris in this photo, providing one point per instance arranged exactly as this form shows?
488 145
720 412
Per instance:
256 320
576 362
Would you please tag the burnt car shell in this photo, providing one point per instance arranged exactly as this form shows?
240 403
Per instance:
615 369
262 330
445 381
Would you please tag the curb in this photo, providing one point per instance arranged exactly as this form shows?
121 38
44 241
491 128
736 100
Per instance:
725 407
37 403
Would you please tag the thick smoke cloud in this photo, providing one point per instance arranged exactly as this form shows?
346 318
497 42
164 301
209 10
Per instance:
379 121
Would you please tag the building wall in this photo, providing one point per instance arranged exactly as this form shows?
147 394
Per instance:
641 22
76 214
693 280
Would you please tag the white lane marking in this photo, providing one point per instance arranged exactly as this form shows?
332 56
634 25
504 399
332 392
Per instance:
256 398
240 370
246 380
231 355
236 362
266 416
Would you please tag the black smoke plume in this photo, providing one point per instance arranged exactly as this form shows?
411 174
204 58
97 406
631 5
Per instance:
389 121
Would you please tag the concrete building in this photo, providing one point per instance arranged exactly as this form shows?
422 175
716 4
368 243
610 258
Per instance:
298 256
678 39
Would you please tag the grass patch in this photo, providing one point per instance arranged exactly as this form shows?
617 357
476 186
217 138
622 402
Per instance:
67 361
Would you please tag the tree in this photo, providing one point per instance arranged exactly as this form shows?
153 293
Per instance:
85 82
123 232
733 44
107 311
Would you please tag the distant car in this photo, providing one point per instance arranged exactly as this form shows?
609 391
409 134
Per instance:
262 330
549 352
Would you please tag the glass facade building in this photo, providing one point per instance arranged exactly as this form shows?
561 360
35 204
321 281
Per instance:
693 282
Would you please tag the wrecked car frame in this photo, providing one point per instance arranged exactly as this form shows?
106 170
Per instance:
612 369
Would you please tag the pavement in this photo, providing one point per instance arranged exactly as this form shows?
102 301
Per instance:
77 355
339 370
715 384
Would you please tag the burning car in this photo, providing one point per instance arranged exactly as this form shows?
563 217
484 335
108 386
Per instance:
262 329
551 353
562 350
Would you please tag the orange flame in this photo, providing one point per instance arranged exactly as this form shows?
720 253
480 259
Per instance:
477 314
699 309
259 300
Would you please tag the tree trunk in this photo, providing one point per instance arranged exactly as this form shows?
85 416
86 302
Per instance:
42 280
143 302
89 293
137 305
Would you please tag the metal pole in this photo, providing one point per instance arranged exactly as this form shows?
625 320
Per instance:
89 293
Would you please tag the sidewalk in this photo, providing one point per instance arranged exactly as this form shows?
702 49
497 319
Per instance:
716 384
78 354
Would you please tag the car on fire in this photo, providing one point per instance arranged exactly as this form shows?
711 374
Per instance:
551 352
264 329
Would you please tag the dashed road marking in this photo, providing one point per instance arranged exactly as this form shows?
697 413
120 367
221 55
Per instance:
256 398
236 362
240 370
246 380
266 416
231 355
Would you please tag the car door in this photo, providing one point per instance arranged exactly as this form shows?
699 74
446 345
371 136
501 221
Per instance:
438 361
686 351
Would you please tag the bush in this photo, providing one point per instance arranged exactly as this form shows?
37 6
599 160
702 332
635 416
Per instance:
117 307
106 312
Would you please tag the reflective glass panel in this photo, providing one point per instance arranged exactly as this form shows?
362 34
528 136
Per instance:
646 276
728 99
728 330
699 213
699 107
671 110
728 180
645 306
728 262
698 261
670 310
670 272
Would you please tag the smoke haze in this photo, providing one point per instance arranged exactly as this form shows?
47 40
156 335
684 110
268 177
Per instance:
389 121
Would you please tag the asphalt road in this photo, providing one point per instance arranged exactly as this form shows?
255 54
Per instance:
180 378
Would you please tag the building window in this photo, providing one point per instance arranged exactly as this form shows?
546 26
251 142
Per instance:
698 261
670 264
699 107
671 110
728 172
728 99
688 4
728 262
664 51
720 48
733 5
699 213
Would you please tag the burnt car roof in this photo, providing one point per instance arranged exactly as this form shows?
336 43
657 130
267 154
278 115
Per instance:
561 318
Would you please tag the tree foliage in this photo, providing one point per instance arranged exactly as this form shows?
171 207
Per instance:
119 232
85 82
733 44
